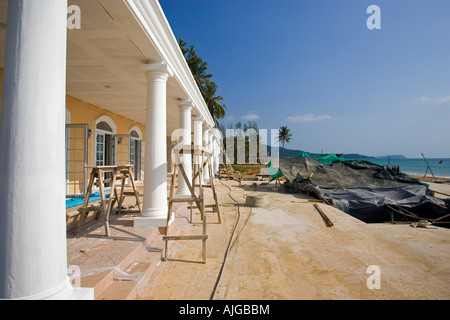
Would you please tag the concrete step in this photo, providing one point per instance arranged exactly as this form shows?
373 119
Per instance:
134 260
127 282
133 271
123 281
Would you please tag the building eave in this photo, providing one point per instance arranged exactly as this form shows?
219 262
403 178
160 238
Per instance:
151 17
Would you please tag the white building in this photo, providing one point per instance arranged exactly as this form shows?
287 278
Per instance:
121 74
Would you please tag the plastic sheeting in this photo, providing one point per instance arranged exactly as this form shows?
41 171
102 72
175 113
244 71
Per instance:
360 188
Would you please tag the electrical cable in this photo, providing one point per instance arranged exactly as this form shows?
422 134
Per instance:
227 252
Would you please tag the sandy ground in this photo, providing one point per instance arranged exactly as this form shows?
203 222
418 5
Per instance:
286 251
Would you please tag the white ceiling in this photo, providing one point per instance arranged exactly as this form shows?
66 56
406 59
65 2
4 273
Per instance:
103 60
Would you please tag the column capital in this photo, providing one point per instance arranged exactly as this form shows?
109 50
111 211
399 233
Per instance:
186 105
198 119
158 70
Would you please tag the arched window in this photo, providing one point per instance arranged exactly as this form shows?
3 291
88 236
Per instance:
136 152
105 131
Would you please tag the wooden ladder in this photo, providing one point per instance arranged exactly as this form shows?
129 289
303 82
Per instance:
204 156
206 162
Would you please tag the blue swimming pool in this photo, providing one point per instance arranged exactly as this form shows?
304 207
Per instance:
73 202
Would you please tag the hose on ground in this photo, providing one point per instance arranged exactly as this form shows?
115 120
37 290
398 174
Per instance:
230 243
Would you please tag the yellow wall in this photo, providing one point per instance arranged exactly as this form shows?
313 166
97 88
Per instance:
85 113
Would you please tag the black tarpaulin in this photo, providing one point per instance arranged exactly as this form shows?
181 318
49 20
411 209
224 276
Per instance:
360 188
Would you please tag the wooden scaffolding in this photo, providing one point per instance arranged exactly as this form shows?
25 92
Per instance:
202 161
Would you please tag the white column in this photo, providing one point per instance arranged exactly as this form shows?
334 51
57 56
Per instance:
212 144
33 254
185 126
198 137
207 145
214 150
217 157
154 210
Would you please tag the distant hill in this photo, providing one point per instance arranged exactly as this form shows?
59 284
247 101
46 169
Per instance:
393 156
291 153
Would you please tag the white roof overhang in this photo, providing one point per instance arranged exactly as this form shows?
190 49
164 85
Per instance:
105 55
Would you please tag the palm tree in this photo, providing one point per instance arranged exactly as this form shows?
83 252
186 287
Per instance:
284 135
213 101
196 64
198 68
207 87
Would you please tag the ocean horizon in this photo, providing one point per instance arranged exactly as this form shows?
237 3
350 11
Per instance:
417 166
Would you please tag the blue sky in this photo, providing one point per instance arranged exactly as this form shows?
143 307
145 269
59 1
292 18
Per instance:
314 66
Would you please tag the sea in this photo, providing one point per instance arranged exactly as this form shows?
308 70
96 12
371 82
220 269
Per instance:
439 166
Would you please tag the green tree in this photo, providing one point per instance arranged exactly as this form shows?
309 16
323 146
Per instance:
284 135
207 87
196 64
214 102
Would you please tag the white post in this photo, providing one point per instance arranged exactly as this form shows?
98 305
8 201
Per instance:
217 157
198 138
207 145
33 250
154 211
213 151
185 126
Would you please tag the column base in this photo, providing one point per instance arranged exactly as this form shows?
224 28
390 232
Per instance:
152 222
64 291
183 195
78 294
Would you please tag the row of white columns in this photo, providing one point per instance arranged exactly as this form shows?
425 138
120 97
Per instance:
33 244
155 206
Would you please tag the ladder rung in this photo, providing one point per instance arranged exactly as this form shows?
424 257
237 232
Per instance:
89 209
204 186
206 206
185 199
127 210
197 237
130 193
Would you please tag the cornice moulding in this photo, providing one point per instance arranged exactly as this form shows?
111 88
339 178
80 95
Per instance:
153 21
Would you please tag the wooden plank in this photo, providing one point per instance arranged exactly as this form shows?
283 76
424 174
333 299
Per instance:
324 216
444 194
187 237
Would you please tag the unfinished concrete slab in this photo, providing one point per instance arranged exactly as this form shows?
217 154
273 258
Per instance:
286 251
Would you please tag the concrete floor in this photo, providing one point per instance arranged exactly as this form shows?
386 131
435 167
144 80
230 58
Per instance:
285 251
282 251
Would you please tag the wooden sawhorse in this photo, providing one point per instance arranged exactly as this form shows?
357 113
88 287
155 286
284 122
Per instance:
118 173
